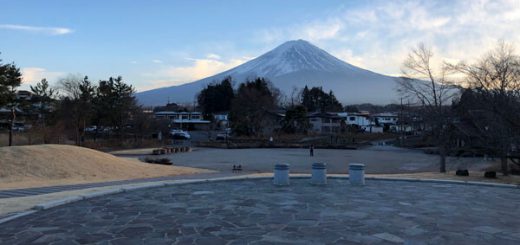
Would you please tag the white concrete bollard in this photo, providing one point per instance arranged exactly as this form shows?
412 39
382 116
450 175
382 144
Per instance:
319 173
281 174
356 173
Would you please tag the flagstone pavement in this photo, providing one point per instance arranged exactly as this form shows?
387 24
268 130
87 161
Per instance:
256 212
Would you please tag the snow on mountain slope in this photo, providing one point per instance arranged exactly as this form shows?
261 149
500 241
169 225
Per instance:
291 57
293 64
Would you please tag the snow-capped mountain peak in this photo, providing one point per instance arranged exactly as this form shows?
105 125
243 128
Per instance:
293 64
292 56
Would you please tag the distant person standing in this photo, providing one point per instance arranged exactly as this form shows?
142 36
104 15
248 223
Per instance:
311 150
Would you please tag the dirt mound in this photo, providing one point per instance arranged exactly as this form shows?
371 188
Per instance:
43 165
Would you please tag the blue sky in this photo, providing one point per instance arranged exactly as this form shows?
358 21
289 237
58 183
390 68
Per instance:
160 43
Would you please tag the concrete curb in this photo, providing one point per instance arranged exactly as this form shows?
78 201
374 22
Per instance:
140 187
16 216
340 176
58 202
458 182
101 193
72 199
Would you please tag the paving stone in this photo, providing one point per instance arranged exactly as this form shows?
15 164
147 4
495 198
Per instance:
487 229
415 231
198 193
407 215
389 237
357 215
255 212
49 238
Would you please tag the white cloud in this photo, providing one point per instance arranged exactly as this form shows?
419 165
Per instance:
32 75
378 36
156 61
201 68
37 29
319 31
197 69
213 56
156 83
313 31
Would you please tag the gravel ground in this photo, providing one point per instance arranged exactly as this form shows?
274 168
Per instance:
378 160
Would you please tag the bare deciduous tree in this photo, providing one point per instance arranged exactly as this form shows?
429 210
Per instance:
495 81
431 89
77 97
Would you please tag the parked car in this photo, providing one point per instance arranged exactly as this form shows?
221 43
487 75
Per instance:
222 136
180 134
91 129
18 127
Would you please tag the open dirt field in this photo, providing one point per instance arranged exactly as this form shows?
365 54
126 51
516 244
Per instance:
46 165
378 160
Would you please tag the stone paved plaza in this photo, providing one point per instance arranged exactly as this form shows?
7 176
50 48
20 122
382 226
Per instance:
256 212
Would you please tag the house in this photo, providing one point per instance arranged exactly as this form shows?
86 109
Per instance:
272 122
361 120
23 95
386 118
21 121
184 120
325 122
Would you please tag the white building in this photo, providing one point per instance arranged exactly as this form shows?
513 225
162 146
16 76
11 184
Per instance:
386 118
361 120
325 123
184 120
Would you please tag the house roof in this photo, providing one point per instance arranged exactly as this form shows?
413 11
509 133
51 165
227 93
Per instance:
324 115
178 113
385 114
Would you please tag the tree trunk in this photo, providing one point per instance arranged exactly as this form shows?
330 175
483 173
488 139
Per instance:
45 140
503 165
11 135
78 142
442 163
13 118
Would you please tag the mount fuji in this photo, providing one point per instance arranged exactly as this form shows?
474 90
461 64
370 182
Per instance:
291 65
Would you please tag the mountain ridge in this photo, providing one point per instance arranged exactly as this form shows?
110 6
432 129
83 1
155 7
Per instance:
293 64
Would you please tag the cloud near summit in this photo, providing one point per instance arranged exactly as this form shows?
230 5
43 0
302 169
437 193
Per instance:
197 69
377 36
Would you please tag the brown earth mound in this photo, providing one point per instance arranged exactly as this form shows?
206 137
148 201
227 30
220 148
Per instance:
44 165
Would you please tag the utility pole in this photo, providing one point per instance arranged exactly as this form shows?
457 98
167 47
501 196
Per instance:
401 123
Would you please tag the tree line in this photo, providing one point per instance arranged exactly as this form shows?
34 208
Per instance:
73 107
255 106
